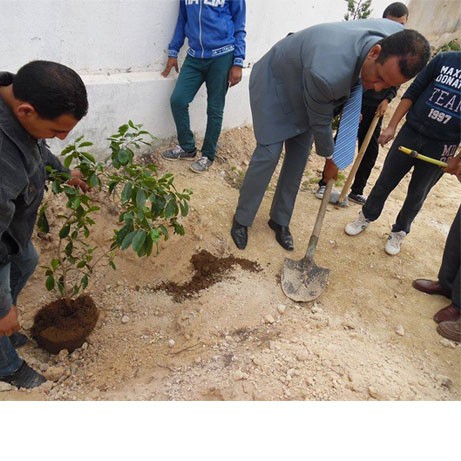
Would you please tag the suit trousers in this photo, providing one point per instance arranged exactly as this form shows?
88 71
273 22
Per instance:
396 166
214 72
450 270
262 166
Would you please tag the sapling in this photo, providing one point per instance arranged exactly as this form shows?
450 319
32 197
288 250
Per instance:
149 205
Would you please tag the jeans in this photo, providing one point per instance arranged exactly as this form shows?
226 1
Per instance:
214 72
13 277
397 164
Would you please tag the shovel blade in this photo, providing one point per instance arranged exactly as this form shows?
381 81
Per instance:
303 280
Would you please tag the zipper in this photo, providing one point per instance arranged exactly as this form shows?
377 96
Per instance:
200 27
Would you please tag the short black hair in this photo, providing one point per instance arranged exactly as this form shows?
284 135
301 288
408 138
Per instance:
412 49
396 9
52 89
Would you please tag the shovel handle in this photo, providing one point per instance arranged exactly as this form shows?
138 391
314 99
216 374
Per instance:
359 158
319 221
413 153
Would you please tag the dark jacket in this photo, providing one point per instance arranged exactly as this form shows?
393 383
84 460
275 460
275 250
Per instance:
23 160
436 96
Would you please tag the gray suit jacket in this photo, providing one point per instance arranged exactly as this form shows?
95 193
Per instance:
297 84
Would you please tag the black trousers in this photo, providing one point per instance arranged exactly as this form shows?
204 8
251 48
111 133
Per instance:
450 270
397 164
371 154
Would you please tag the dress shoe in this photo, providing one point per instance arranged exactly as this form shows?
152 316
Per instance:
430 287
447 314
450 330
239 235
282 235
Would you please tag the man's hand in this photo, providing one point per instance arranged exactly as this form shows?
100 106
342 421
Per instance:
381 109
454 166
9 324
77 180
235 75
330 170
172 62
386 135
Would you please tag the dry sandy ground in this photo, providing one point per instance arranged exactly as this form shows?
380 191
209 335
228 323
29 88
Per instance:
369 336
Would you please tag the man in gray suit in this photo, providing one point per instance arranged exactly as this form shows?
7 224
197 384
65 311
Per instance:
294 91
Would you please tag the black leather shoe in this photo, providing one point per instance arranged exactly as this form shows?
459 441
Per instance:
282 235
239 235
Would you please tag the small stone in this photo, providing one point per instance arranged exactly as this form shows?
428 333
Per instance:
125 319
302 356
269 319
171 343
198 360
281 308
5 387
27 324
239 374
445 381
447 343
54 373
63 353
400 330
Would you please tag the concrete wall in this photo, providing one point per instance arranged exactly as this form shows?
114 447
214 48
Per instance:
438 20
119 48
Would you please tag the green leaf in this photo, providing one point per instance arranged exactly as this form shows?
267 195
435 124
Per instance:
140 198
49 283
127 240
124 156
126 193
64 232
138 240
42 221
54 263
84 281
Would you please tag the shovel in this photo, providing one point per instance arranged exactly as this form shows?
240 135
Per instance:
342 200
303 280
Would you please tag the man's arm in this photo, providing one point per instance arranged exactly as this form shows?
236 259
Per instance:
238 12
401 110
414 91
177 41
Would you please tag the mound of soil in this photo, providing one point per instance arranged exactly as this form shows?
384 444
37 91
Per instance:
208 270
60 326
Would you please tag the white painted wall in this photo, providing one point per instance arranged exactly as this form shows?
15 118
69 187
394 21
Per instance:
119 48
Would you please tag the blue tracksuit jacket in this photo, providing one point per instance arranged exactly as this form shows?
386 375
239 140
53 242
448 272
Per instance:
212 27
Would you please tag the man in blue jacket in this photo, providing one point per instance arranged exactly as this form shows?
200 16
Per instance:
432 105
215 30
43 100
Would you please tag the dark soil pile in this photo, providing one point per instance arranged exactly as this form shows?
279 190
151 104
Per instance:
208 270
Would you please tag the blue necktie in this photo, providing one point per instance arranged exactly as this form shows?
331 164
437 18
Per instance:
344 151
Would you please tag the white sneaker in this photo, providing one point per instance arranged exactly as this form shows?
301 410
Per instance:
320 192
357 226
394 242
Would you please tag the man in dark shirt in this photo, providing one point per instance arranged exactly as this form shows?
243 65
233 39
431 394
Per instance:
43 100
432 105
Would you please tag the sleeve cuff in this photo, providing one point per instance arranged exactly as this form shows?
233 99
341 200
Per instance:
238 62
172 54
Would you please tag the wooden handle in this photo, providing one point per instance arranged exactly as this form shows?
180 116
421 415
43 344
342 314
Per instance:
319 221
